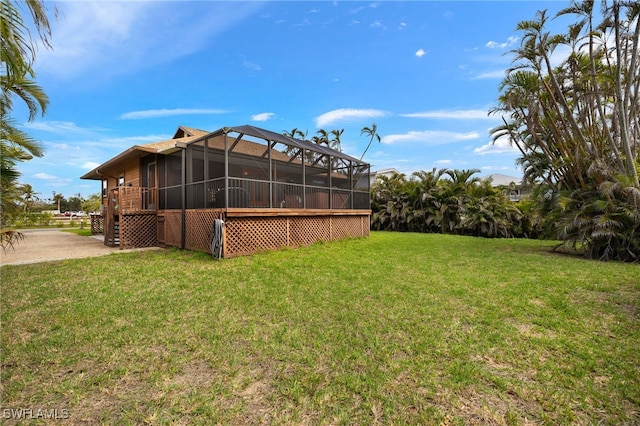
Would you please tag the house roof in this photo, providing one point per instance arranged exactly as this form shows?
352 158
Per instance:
386 172
184 131
135 152
187 135
498 179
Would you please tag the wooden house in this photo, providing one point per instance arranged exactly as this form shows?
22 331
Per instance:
243 188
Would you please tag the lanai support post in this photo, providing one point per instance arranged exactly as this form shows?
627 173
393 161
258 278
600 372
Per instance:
304 179
330 182
183 195
226 169
271 176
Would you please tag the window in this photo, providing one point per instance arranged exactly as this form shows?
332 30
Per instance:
104 187
121 180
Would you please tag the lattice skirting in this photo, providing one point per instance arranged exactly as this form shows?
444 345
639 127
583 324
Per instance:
249 235
138 230
304 231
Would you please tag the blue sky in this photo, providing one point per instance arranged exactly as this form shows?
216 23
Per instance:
130 72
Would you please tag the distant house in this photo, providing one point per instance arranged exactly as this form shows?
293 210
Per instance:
382 172
512 186
269 191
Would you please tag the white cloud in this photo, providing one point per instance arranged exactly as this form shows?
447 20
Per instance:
63 127
305 22
560 53
432 137
63 147
112 38
133 140
495 45
90 165
470 114
501 146
115 144
52 181
44 176
357 10
490 75
251 65
444 162
60 183
498 168
347 114
420 53
109 146
264 116
154 113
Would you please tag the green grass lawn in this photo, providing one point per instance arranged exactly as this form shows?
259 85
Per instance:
394 329
84 232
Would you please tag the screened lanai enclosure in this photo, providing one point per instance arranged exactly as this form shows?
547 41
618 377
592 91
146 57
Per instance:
247 167
243 188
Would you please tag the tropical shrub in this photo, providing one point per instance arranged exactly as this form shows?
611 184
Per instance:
577 126
444 201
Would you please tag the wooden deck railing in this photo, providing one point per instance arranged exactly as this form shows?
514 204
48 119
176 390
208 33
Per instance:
132 199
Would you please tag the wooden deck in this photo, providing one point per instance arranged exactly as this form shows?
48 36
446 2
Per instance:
131 220
249 231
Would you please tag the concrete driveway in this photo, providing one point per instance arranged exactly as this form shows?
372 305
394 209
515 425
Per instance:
43 245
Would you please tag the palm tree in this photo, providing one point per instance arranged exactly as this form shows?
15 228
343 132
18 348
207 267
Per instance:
577 125
27 195
390 203
425 192
372 132
18 46
335 142
17 55
57 198
295 133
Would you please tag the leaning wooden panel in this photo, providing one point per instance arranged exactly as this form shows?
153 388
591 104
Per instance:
199 231
172 227
97 224
160 227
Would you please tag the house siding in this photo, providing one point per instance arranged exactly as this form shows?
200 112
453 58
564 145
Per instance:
272 196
